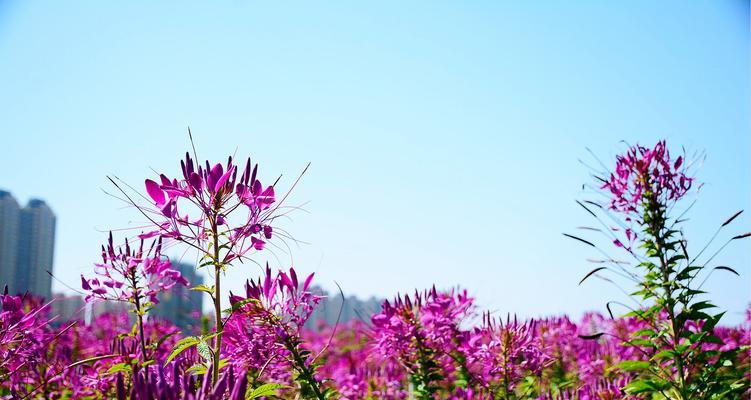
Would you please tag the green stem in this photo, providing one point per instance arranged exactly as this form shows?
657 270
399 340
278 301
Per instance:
307 375
219 328
217 305
139 317
657 225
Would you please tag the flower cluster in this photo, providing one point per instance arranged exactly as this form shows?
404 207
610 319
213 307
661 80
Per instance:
23 341
551 358
425 346
650 172
264 333
132 275
424 334
213 193
504 353
347 358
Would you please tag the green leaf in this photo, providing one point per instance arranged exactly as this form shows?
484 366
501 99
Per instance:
92 359
632 365
664 354
119 367
637 387
163 338
181 346
268 389
239 304
204 288
204 350
198 369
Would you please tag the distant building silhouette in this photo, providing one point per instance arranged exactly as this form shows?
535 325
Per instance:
100 307
68 308
10 213
180 303
352 308
27 244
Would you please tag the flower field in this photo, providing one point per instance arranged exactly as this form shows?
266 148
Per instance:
428 344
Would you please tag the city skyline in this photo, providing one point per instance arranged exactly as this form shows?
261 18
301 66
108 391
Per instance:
27 245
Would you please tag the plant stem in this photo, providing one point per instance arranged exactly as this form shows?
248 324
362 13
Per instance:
307 375
217 304
139 316
657 225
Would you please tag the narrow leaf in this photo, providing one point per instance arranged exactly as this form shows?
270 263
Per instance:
92 359
268 389
592 272
591 337
732 218
724 268
585 207
181 346
580 239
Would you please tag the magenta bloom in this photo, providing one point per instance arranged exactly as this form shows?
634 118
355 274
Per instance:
424 335
24 339
132 275
239 210
649 172
267 326
504 353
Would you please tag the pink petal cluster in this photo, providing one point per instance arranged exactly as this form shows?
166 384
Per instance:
504 353
347 358
425 326
212 194
501 356
643 171
24 337
132 274
267 321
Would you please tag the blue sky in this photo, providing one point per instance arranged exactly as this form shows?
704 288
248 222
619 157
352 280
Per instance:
443 136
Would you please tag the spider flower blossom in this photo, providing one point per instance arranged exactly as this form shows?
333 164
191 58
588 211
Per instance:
643 171
424 335
213 193
132 274
24 339
355 370
268 320
506 352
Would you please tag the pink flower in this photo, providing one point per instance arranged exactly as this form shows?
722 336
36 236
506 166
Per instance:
645 174
132 275
240 207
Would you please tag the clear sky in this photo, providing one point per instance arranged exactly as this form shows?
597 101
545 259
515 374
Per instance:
443 136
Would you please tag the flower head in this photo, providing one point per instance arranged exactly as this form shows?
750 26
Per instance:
646 173
237 209
267 325
131 274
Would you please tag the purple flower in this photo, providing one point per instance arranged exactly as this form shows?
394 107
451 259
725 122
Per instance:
131 275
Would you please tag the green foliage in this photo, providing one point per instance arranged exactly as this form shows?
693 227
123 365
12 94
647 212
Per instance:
265 390
680 324
182 345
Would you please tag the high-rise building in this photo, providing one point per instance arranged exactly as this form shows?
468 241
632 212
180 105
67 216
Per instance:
10 212
180 303
36 247
27 244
